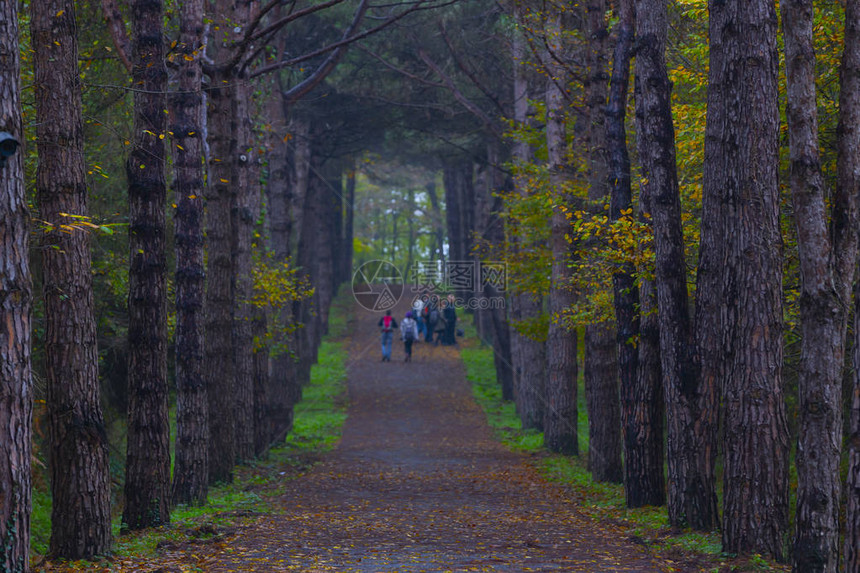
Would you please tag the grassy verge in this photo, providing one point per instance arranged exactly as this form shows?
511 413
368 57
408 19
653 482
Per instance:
319 418
647 526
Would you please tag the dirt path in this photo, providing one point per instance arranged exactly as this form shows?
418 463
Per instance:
418 484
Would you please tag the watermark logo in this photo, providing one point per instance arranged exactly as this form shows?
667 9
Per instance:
377 285
473 285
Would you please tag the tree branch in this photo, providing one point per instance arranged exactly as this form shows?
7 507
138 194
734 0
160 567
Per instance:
419 6
469 74
400 71
251 36
491 125
295 93
116 27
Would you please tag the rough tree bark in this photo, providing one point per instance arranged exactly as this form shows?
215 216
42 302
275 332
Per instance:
691 420
827 261
219 367
438 223
329 190
80 475
601 370
493 290
302 214
529 356
243 219
187 113
349 222
560 415
848 146
279 404
16 394
641 411
147 483
739 294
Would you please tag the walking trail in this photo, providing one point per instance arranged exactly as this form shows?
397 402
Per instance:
419 484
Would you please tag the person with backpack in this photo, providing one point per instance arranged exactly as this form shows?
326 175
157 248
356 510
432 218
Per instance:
387 324
439 325
409 334
418 316
431 318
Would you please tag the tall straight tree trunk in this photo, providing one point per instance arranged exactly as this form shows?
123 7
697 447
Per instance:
848 146
455 177
302 218
494 290
243 221
410 233
601 391
16 392
560 416
641 414
438 224
279 191
80 475
336 197
187 113
261 381
349 221
329 190
739 298
529 356
826 270
643 403
601 372
691 414
219 374
147 482
263 388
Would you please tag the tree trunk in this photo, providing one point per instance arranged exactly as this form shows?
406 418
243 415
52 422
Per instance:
349 223
848 181
494 290
16 393
641 406
438 224
529 356
601 372
219 281
824 302
302 215
80 475
458 196
244 217
604 410
147 482
187 113
739 298
329 190
263 394
691 439
560 415
280 191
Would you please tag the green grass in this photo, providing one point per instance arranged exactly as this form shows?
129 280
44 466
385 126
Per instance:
602 501
319 418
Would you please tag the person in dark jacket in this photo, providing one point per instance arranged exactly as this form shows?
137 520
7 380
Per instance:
439 325
430 314
450 315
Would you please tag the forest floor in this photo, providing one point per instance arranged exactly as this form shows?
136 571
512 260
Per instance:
417 483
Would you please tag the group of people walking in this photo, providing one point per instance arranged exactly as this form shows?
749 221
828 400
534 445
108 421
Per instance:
432 318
